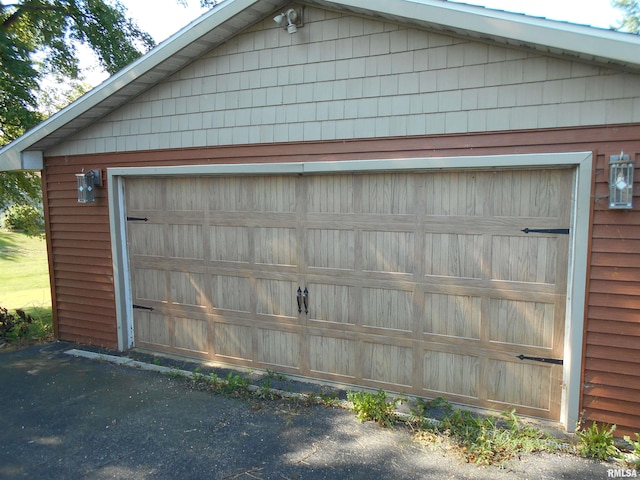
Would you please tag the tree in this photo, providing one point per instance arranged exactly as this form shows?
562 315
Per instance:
39 38
631 15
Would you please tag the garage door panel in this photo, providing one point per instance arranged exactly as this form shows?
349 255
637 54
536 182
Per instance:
189 289
455 255
391 252
520 384
330 248
152 329
185 241
232 293
191 335
455 194
146 239
274 194
388 364
230 194
276 246
332 356
332 303
452 315
229 243
330 194
453 374
388 194
233 341
186 194
387 309
527 193
522 323
145 194
525 259
278 348
275 297
150 284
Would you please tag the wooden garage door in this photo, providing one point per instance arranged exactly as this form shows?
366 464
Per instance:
422 283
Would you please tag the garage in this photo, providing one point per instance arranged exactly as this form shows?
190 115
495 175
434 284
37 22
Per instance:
448 282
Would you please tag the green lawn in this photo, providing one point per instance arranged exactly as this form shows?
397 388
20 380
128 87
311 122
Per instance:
24 275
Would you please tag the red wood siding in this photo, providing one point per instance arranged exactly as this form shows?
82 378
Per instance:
612 338
81 266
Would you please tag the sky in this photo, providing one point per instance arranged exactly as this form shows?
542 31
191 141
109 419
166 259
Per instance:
163 18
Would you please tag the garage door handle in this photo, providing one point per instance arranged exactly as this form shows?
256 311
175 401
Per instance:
299 299
306 300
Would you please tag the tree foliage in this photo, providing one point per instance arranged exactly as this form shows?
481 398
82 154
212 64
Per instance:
40 38
631 15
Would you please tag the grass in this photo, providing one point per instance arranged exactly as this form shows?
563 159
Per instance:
24 281
25 272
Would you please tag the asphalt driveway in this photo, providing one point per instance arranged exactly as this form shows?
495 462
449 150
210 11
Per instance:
63 417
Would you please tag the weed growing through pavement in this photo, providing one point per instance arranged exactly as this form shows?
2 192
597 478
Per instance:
480 439
374 407
597 441
265 392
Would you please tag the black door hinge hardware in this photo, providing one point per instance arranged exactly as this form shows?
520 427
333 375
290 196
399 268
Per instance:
559 231
141 307
555 361
137 219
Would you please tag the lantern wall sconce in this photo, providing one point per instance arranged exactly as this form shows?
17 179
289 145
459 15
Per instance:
291 20
620 181
87 181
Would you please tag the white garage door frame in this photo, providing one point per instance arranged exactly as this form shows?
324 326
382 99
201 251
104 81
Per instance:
579 239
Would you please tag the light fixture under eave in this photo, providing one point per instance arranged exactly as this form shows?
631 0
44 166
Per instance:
86 183
620 181
291 20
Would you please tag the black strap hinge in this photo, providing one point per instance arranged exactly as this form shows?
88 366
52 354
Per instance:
558 231
555 361
141 307
137 219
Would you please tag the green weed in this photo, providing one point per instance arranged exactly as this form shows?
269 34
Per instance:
374 407
274 375
264 392
234 384
485 440
597 441
636 448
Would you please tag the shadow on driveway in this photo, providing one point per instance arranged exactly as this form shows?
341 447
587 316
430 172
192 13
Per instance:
67 417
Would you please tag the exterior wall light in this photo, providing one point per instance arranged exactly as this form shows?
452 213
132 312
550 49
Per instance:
620 181
87 181
290 20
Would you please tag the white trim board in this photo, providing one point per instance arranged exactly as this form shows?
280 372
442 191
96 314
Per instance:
576 284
